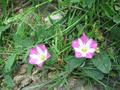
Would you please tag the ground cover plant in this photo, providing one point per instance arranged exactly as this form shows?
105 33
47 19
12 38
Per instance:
59 44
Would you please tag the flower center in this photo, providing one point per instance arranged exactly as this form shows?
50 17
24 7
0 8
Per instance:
84 50
43 58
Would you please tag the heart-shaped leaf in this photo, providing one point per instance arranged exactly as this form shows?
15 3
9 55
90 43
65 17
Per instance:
73 63
102 62
93 73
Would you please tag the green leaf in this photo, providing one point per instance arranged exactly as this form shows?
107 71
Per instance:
21 30
93 73
25 57
67 2
42 33
23 42
10 62
73 63
116 19
1 65
50 0
3 28
9 81
29 69
75 1
4 7
1 61
108 10
22 37
115 33
117 8
87 3
102 62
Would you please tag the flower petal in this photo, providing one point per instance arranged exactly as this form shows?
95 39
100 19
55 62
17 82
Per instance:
42 47
34 56
84 38
81 43
78 55
92 50
32 61
93 44
75 44
33 51
40 61
48 56
89 42
39 50
89 55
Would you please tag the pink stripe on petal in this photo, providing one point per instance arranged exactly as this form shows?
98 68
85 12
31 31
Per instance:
33 51
42 47
89 55
78 55
84 38
93 44
48 56
89 42
75 44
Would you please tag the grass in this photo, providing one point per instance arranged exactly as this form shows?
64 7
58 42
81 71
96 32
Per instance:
25 28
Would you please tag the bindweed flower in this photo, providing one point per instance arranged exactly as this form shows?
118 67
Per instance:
38 55
84 47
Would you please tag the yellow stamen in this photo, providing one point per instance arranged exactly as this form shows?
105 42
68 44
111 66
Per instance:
43 57
84 49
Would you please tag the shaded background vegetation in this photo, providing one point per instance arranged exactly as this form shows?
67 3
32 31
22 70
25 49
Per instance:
23 25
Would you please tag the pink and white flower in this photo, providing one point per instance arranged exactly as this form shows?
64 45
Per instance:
84 47
38 55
